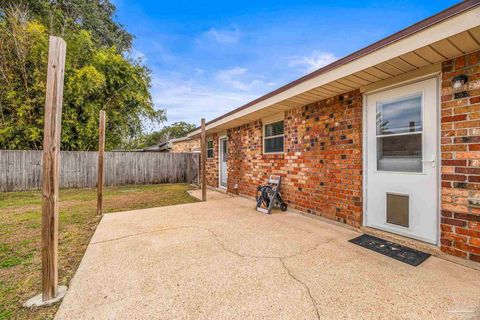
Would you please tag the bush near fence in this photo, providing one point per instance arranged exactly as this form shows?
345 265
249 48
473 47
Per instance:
21 169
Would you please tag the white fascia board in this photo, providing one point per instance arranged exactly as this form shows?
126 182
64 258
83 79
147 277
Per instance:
461 22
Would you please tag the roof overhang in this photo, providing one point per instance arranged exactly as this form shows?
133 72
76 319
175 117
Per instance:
416 50
180 139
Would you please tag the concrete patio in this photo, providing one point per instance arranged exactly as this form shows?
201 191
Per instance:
221 259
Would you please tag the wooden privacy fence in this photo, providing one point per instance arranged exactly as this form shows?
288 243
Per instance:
21 169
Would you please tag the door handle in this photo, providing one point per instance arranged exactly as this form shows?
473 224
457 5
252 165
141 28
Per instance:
432 161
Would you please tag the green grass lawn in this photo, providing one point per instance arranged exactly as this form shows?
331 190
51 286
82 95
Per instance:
20 236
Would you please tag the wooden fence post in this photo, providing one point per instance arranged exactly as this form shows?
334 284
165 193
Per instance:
204 159
101 162
51 166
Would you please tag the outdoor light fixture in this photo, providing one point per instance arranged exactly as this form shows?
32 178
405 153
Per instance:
459 89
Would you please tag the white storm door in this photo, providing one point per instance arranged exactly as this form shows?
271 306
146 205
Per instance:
223 161
401 181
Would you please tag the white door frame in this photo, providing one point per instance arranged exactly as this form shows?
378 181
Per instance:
220 162
438 195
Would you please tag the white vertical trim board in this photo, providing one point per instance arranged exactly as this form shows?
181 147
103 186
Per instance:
220 162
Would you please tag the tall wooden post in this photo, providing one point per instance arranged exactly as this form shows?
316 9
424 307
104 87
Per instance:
101 161
51 166
204 159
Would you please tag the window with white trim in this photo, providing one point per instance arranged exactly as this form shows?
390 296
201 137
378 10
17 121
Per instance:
210 149
273 137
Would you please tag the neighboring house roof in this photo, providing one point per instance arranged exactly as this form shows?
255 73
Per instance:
179 139
166 145
419 48
163 146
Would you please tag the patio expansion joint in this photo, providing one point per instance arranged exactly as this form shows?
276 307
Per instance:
141 233
241 255
219 242
281 259
307 288
223 246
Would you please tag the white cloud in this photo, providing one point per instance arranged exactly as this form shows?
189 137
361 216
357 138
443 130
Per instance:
189 100
312 62
199 71
221 36
239 78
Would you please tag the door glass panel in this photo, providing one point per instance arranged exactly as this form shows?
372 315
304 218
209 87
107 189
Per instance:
398 209
400 116
399 135
224 150
400 153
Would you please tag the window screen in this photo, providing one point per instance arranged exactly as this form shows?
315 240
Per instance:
210 149
399 135
273 139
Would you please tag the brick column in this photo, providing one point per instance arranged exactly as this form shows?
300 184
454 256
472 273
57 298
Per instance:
460 143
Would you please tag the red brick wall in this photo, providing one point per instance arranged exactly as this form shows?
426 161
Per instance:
322 164
460 143
212 163
192 145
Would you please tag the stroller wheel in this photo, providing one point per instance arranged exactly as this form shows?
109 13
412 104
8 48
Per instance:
283 206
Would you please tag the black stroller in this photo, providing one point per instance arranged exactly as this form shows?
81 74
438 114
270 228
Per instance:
269 196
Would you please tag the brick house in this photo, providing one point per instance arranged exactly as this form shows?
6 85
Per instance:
184 144
386 138
177 145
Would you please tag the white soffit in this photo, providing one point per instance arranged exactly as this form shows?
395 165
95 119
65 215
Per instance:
419 52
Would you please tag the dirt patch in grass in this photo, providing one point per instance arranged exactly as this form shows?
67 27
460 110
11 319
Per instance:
20 231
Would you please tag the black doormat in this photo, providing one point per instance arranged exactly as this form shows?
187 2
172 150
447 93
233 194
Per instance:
390 249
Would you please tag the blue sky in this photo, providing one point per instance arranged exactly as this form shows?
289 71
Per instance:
208 57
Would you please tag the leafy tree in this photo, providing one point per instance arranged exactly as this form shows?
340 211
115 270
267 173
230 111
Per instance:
63 16
97 76
175 130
